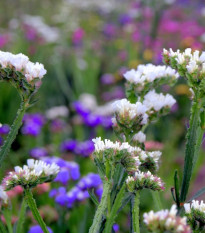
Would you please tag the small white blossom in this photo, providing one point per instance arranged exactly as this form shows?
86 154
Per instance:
3 196
57 111
140 137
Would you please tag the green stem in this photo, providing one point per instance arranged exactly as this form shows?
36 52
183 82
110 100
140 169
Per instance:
19 228
135 212
7 216
2 227
111 218
194 139
13 131
32 205
101 208
157 200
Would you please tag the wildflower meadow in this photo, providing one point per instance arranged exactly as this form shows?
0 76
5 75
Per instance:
102 116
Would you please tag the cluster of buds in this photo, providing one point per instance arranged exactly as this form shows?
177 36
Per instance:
166 221
195 213
34 173
3 197
147 77
129 117
130 157
23 74
189 64
158 104
144 180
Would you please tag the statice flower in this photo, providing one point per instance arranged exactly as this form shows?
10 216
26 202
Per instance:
79 192
130 157
195 212
38 152
144 180
20 68
129 117
4 129
158 102
150 76
37 229
139 137
69 170
32 124
189 64
30 175
68 145
166 220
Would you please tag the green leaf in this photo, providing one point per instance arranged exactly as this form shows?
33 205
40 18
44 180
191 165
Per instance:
93 196
176 186
196 195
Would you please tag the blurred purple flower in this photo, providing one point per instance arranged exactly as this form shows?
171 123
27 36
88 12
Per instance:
4 129
37 229
107 79
38 152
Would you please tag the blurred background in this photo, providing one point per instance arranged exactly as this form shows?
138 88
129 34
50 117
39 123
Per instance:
86 46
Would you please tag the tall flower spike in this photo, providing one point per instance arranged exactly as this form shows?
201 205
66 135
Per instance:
34 173
144 180
166 220
147 77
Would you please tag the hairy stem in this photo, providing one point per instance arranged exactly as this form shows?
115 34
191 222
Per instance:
101 208
19 228
32 205
135 212
194 139
117 204
13 131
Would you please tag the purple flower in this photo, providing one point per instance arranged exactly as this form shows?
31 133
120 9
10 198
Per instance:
38 152
108 79
37 229
84 148
116 227
68 171
92 180
4 129
80 109
109 30
57 125
32 124
68 145
1 141
125 19
92 120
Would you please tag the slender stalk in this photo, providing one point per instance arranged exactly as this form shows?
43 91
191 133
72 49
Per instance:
101 208
13 131
194 139
19 228
32 205
7 216
157 200
117 204
135 212
2 227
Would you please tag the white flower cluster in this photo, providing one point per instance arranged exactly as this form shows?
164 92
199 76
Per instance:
127 110
140 137
166 220
49 34
149 73
155 101
107 144
21 63
142 180
35 172
192 61
57 111
136 153
195 207
3 196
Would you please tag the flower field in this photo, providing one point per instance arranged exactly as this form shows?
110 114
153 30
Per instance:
102 116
